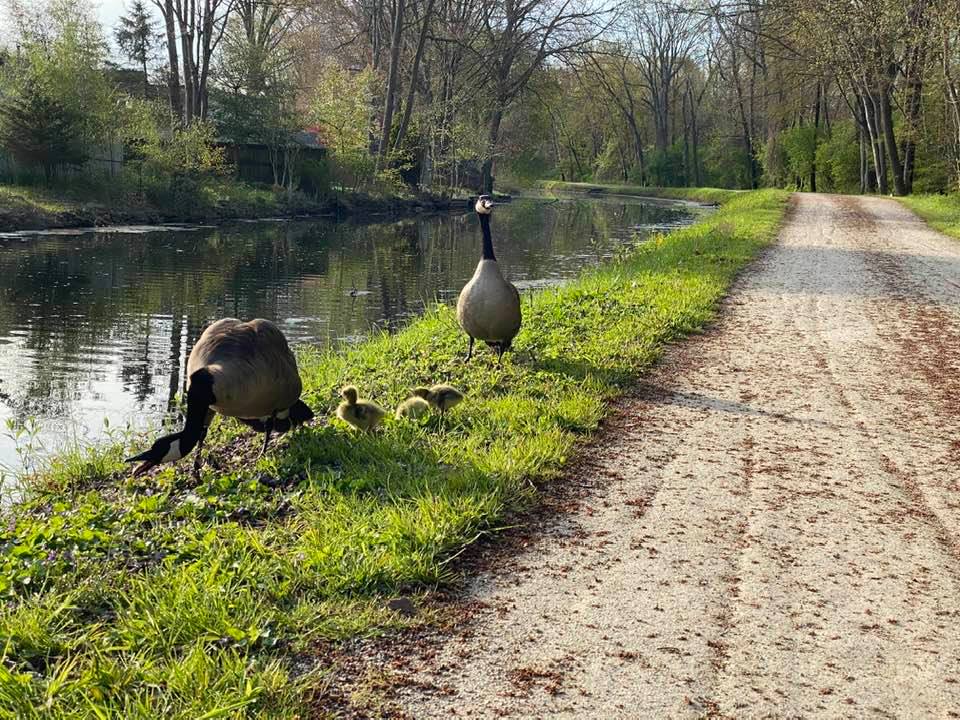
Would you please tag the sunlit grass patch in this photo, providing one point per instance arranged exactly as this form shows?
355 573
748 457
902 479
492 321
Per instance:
699 194
939 211
164 596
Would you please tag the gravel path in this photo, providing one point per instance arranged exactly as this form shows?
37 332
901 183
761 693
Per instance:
775 527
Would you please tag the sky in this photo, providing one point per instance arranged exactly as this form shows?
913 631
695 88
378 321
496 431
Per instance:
109 11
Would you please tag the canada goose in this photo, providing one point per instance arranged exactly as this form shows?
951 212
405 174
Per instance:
361 414
442 397
413 407
239 369
489 307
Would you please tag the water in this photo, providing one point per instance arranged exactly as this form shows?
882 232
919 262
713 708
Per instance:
98 325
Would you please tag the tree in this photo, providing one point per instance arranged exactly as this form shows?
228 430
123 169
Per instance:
201 26
62 53
38 130
138 39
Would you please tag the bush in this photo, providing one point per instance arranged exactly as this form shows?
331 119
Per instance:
315 178
38 131
838 160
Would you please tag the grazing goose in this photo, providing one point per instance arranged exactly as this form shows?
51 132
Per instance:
239 369
361 414
489 307
442 397
413 407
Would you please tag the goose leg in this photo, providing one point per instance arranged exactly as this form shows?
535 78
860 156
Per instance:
500 350
470 350
268 429
198 456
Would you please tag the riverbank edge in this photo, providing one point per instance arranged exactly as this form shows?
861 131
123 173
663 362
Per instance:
941 212
29 209
709 196
232 582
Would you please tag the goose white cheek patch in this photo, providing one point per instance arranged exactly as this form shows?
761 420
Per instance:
173 453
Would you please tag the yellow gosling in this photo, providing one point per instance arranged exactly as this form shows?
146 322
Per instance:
413 407
442 397
361 414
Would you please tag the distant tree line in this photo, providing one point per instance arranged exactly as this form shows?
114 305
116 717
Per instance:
834 95
837 95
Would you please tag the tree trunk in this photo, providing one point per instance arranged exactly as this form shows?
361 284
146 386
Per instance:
186 44
886 124
638 149
816 131
912 111
953 104
486 180
173 78
395 40
879 158
414 72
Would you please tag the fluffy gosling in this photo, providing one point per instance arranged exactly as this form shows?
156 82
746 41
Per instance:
442 397
413 407
361 414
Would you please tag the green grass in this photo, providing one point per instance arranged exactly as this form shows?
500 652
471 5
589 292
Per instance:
705 195
166 597
93 201
939 211
22 197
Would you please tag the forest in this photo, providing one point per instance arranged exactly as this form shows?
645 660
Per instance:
438 95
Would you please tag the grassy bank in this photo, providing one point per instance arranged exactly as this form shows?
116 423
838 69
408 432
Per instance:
217 198
940 211
704 195
164 597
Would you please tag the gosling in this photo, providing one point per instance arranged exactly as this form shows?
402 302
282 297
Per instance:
414 407
361 414
442 397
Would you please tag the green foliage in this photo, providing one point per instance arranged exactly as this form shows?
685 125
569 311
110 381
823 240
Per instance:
56 102
37 130
665 167
171 154
725 166
800 146
137 35
315 177
68 64
163 597
838 160
341 108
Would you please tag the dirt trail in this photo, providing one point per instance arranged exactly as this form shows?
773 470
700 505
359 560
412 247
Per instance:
775 528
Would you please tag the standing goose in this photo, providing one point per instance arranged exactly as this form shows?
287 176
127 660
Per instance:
239 369
489 307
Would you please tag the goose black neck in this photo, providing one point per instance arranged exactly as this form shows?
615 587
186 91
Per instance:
487 239
199 399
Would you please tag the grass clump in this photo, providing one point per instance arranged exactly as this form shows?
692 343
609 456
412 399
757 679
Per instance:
700 194
166 597
939 211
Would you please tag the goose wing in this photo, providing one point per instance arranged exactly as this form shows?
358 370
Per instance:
255 372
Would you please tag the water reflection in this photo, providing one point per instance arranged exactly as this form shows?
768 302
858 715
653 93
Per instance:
99 325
